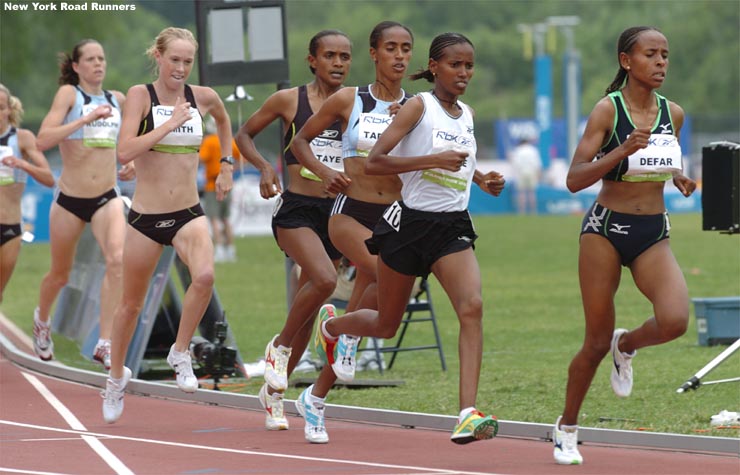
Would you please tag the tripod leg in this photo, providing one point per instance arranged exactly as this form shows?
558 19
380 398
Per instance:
695 380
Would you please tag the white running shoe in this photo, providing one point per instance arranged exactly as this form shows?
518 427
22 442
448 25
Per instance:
101 354
621 377
183 366
273 406
344 365
113 397
314 431
566 446
42 344
276 365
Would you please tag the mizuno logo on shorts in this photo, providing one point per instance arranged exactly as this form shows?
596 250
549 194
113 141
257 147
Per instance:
167 223
619 228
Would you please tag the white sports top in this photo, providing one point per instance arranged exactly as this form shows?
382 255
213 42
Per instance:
435 189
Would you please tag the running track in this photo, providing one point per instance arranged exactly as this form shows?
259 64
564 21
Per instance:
49 426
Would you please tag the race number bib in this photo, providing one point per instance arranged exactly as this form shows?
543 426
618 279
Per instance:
101 133
7 174
452 140
656 162
327 151
371 127
392 216
189 134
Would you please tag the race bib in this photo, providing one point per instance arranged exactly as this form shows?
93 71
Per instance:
656 162
371 127
7 174
392 216
328 152
452 140
101 133
189 134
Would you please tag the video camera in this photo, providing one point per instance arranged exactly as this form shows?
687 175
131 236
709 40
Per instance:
214 357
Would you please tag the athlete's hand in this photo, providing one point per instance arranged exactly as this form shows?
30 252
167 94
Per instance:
269 184
636 140
224 184
336 182
452 160
13 162
394 108
127 172
684 184
492 183
180 114
101 112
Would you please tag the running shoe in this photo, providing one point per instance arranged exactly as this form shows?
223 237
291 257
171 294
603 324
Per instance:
42 344
345 353
475 426
113 397
324 348
314 431
276 365
273 406
183 366
621 377
566 446
101 354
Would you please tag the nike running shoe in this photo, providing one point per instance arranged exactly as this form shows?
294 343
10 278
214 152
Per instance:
345 353
276 365
313 412
273 406
101 354
475 426
113 397
621 377
566 446
324 348
42 344
183 366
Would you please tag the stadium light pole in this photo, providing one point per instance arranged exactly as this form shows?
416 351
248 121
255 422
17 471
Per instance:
571 67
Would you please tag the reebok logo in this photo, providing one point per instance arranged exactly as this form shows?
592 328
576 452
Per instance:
167 223
620 228
9 232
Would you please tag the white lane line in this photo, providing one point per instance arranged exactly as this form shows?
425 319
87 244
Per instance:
97 446
424 470
29 472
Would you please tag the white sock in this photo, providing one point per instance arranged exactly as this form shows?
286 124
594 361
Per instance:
326 333
464 413
102 341
568 428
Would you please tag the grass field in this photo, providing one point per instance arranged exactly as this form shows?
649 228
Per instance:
533 326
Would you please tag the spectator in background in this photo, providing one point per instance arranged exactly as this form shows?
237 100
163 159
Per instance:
217 211
525 158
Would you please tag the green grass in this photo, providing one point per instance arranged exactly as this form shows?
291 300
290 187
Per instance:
533 327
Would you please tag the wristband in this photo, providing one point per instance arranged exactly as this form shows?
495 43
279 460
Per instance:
228 159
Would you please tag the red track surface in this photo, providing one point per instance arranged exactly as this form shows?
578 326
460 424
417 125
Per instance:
157 436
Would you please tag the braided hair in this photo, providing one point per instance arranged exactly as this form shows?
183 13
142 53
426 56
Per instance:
626 41
436 51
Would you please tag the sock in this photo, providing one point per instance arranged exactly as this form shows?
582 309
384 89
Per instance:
326 333
37 320
565 428
102 341
465 412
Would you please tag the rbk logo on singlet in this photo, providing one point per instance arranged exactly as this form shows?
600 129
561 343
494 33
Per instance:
329 134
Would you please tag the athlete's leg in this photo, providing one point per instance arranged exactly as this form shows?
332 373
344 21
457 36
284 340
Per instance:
599 272
108 225
65 230
140 257
659 278
459 275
